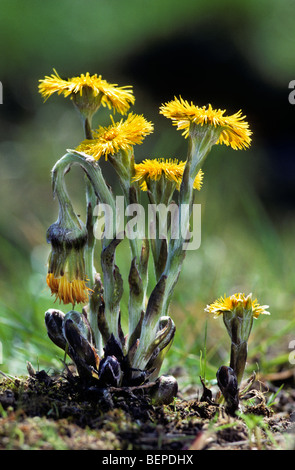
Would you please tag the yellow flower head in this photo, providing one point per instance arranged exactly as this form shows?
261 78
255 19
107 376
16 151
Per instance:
118 98
171 169
237 302
234 130
118 136
68 292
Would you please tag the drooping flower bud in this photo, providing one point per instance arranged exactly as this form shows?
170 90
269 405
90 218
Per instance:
54 324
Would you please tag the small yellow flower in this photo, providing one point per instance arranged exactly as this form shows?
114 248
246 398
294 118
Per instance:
172 169
68 292
118 136
237 301
118 98
234 130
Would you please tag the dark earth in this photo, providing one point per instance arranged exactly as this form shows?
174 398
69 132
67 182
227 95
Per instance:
46 412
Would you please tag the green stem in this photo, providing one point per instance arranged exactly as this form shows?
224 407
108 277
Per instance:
123 163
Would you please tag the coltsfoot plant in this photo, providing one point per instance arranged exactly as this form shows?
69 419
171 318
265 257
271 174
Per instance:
94 338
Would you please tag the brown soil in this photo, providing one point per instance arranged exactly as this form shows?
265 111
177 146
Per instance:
55 413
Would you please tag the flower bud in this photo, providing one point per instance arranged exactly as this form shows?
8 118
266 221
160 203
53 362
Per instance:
110 372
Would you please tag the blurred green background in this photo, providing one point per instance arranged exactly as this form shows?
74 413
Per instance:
231 54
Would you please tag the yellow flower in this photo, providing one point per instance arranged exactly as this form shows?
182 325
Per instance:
234 130
153 169
68 292
118 136
237 301
118 98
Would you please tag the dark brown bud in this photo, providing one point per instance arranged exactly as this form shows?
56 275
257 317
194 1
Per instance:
164 391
